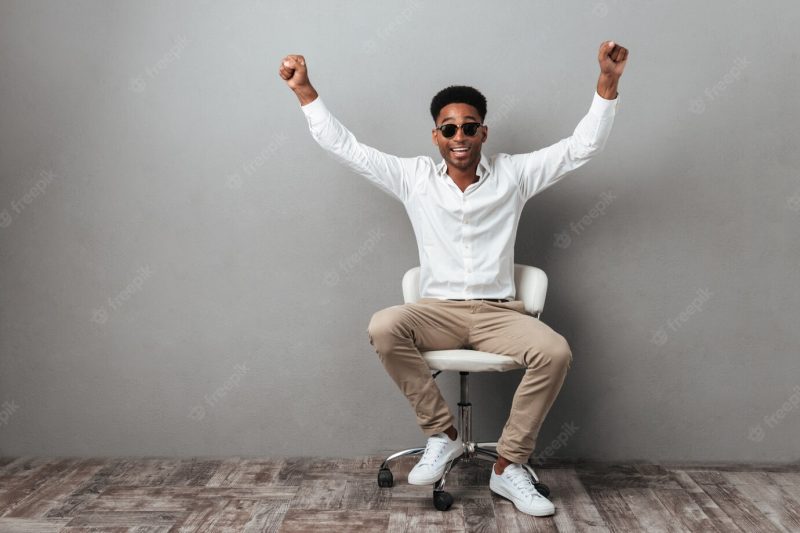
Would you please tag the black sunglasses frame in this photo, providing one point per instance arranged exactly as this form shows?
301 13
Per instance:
461 127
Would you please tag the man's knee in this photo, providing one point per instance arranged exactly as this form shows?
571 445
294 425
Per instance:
560 353
556 354
384 324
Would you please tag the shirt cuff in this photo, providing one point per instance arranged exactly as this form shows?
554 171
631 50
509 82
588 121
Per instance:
602 106
315 107
316 112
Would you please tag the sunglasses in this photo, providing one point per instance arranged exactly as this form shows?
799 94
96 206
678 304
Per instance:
469 129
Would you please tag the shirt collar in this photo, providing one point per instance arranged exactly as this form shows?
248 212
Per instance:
482 171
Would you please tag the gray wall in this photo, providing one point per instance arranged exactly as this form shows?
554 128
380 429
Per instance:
185 272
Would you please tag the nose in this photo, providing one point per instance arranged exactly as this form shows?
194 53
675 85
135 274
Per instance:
459 134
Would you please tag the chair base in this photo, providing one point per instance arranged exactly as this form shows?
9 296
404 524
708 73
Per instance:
485 451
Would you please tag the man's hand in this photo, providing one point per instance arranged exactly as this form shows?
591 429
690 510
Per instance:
294 72
612 58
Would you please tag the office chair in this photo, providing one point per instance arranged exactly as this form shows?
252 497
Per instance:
531 287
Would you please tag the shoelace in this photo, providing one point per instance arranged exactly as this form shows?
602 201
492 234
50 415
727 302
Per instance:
519 477
433 450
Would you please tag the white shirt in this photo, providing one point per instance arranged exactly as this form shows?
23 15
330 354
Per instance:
465 239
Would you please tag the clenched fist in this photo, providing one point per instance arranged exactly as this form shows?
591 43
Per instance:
612 58
293 70
295 73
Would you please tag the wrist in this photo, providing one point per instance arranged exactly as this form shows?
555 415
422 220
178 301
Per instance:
306 94
607 86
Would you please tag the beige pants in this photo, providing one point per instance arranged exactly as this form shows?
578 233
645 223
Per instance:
400 332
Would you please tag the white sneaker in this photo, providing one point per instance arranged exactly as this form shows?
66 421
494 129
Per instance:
515 484
439 451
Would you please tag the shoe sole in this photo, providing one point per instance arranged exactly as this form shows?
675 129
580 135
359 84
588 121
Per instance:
501 492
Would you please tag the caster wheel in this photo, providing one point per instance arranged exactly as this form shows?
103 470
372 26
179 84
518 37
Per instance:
543 489
385 478
442 500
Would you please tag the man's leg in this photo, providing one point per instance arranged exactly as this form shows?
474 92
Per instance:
504 328
398 333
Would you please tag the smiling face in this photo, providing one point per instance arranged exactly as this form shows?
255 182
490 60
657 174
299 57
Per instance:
460 151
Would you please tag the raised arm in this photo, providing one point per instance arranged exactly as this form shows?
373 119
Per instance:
394 175
540 169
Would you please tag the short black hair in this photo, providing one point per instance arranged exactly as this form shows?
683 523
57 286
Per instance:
460 94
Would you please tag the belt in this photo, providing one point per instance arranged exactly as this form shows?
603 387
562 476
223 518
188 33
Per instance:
484 299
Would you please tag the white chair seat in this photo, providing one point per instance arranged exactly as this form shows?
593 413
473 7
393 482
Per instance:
469 361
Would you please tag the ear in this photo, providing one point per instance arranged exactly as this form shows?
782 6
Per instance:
433 137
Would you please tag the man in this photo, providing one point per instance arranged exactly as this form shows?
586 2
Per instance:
465 212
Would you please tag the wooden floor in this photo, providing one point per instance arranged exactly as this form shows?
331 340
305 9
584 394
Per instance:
332 495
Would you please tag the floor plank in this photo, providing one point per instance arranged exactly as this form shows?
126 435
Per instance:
34 474
649 511
731 500
32 525
54 490
615 510
267 517
575 510
39 494
684 509
239 472
479 516
719 520
300 521
769 498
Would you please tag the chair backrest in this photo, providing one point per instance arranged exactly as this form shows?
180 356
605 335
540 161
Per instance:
530 283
